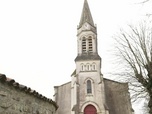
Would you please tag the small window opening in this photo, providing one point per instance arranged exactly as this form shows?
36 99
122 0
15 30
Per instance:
90 44
89 89
88 67
94 67
82 67
83 45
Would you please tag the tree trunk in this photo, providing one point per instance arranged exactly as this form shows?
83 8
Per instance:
150 103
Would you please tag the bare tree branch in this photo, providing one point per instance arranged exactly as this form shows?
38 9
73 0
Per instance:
143 2
134 48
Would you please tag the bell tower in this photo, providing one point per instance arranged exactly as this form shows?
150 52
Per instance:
87 86
87 42
86 34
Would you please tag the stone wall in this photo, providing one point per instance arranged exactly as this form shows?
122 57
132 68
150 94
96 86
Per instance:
117 97
63 98
18 99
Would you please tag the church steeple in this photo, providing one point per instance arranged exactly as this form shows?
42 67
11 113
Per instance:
87 36
86 15
88 92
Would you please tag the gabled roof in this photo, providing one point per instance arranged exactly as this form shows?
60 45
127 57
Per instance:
86 15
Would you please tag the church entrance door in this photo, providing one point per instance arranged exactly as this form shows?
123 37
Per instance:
90 109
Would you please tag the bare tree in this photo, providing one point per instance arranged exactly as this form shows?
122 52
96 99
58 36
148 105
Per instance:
134 52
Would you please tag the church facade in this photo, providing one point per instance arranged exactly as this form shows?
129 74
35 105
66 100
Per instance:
88 92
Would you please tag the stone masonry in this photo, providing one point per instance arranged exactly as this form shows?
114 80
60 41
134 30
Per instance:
18 99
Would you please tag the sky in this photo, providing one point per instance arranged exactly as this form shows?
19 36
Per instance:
38 42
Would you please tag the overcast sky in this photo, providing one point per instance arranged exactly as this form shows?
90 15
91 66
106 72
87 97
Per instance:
38 42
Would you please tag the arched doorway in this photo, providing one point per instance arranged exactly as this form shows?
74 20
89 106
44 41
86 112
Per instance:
90 109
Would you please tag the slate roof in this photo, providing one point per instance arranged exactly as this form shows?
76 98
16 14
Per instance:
11 82
86 15
88 56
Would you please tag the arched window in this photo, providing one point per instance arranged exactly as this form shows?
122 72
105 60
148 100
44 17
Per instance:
84 48
88 67
89 88
90 44
93 66
82 67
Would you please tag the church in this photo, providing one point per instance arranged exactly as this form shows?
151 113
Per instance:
89 92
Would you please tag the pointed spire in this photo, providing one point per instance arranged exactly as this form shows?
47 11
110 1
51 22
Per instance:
86 15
